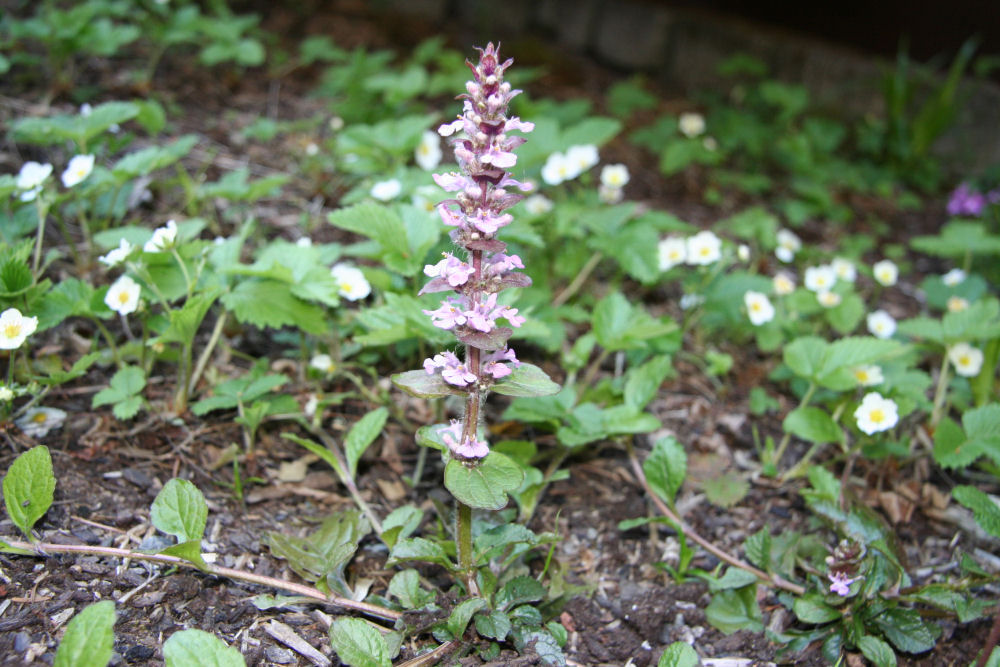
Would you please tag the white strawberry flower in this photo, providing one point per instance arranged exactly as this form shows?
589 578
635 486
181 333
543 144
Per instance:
819 278
691 124
164 238
672 251
868 376
788 245
30 179
77 170
886 273
844 269
123 296
703 248
582 157
37 422
323 363
876 413
784 283
558 169
759 308
386 190
538 205
117 255
881 324
968 360
954 277
15 328
957 303
828 299
351 282
614 176
428 155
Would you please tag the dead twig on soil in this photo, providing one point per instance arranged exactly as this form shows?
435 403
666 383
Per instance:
769 579
45 548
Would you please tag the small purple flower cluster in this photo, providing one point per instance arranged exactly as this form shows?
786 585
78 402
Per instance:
483 191
966 201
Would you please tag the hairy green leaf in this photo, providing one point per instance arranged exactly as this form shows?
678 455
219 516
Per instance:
28 487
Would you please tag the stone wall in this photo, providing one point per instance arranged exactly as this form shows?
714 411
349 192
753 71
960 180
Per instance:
682 47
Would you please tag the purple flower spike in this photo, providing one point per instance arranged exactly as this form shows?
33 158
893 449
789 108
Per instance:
483 139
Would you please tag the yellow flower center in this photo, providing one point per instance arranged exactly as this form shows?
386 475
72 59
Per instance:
123 297
964 360
861 375
38 417
877 416
12 330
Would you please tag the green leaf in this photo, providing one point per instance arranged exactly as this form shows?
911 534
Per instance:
405 587
877 651
486 484
950 449
270 303
679 654
361 435
28 487
359 644
734 577
126 382
147 160
805 356
595 130
906 630
618 325
423 385
758 548
189 551
519 590
735 609
89 639
810 608
526 380
985 510
180 510
197 648
665 468
323 555
420 549
642 383
401 522
462 614
495 625
381 224
726 490
812 424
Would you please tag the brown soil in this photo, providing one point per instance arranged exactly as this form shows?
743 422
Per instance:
626 609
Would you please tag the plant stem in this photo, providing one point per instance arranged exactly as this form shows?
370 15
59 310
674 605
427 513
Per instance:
941 392
579 280
39 237
110 339
593 368
769 579
44 548
463 539
345 478
206 353
787 437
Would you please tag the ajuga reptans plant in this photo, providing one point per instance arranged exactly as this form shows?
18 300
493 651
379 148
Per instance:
481 194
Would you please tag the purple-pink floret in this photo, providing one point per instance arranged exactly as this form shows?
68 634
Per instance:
840 583
966 201
469 448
